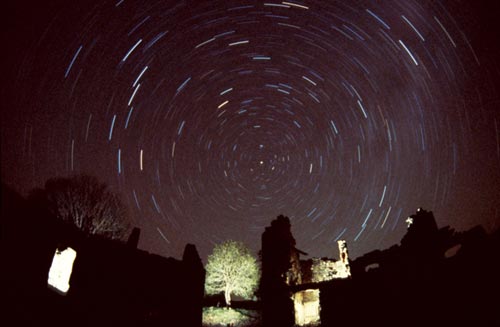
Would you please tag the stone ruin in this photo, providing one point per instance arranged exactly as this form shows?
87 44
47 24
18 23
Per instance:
314 271
291 286
446 277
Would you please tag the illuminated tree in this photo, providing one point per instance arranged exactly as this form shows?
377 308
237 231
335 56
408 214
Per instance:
88 204
231 269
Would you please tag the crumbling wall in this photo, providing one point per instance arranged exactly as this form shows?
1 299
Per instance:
314 271
307 307
322 270
325 269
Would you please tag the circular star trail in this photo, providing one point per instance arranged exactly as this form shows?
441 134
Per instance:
210 118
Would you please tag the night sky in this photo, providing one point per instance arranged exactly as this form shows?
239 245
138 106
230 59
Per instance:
211 118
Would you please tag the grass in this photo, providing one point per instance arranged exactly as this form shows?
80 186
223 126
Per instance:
218 317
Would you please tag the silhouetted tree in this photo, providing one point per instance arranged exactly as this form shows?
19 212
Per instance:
231 269
87 203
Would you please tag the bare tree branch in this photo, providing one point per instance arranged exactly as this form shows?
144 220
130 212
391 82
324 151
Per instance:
88 204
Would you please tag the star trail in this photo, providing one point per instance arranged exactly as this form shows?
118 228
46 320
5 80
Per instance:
210 118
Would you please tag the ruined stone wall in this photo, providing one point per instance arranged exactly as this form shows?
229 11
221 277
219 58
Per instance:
314 271
307 308
317 270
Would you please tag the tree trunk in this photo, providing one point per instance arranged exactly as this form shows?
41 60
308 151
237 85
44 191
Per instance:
227 297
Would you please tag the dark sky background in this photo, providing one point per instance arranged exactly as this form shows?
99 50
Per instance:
210 118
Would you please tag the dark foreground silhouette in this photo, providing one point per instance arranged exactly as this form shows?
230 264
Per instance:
433 277
112 283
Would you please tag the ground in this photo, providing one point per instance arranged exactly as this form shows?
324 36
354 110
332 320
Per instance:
223 317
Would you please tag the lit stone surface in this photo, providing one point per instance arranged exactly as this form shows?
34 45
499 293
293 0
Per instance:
61 268
307 307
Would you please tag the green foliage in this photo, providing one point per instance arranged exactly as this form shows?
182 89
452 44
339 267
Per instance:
231 269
